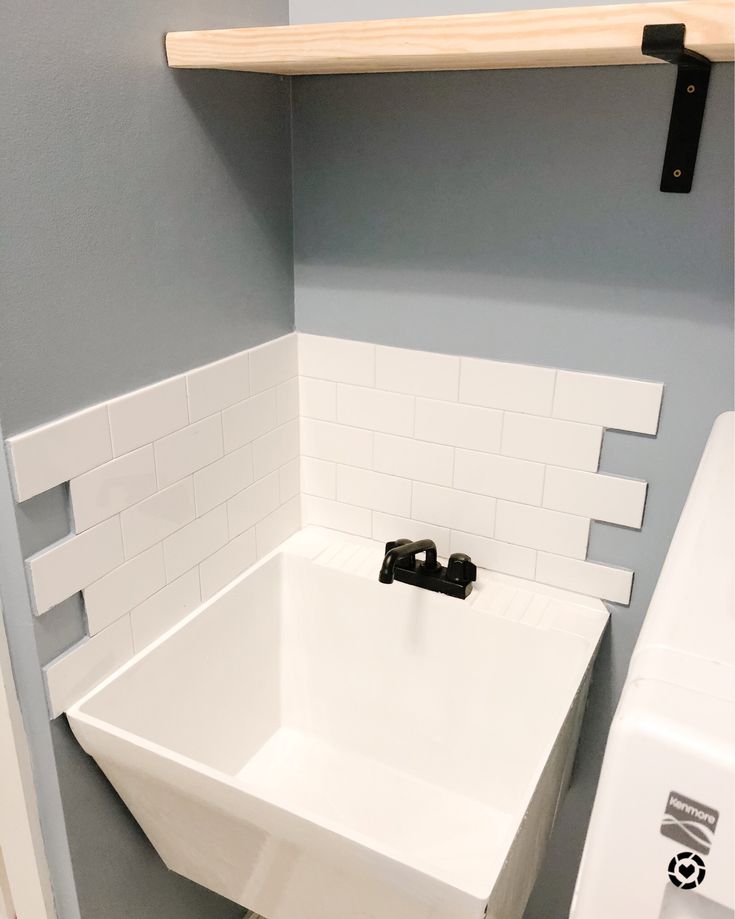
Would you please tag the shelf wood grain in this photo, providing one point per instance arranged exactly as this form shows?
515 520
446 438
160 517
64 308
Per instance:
567 37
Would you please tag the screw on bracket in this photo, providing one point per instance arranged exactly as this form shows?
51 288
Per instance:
666 42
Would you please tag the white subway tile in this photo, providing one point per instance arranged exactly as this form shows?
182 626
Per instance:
164 609
499 476
124 588
337 359
518 561
158 516
252 504
375 409
287 400
74 563
59 451
189 449
224 479
547 440
275 448
234 558
272 530
110 488
413 459
85 665
336 442
613 402
388 528
589 578
196 541
218 385
418 373
245 421
601 497
371 489
516 387
318 477
289 479
334 515
273 363
318 399
148 414
458 425
539 528
455 509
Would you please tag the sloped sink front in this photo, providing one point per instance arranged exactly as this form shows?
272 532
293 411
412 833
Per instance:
315 745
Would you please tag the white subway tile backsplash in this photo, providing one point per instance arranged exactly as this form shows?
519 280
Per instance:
275 448
61 450
157 517
418 373
318 399
218 385
335 515
388 528
336 442
600 497
287 400
539 528
124 588
252 504
590 578
518 561
85 665
458 425
226 564
337 359
164 609
499 476
515 387
68 566
197 475
373 490
196 541
455 509
189 449
110 488
273 363
148 414
318 477
243 422
272 530
375 409
613 402
289 476
413 459
224 479
546 440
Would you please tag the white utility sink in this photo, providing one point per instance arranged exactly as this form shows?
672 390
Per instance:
315 745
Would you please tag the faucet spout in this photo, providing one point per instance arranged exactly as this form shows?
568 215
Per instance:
405 549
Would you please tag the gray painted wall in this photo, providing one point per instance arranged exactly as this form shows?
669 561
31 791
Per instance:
148 210
516 215
148 217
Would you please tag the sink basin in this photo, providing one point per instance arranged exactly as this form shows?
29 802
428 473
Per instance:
315 745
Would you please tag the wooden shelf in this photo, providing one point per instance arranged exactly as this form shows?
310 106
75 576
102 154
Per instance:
568 37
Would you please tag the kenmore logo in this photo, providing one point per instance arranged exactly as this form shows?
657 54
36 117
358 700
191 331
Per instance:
689 822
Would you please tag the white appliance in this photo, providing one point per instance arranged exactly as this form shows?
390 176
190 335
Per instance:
667 786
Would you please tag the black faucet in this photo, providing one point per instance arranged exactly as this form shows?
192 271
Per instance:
400 563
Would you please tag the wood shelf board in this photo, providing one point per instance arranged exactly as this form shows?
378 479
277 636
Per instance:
565 37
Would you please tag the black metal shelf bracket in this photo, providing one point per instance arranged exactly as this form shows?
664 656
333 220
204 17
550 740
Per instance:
666 42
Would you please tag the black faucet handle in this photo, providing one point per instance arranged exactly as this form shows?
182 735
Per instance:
461 569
